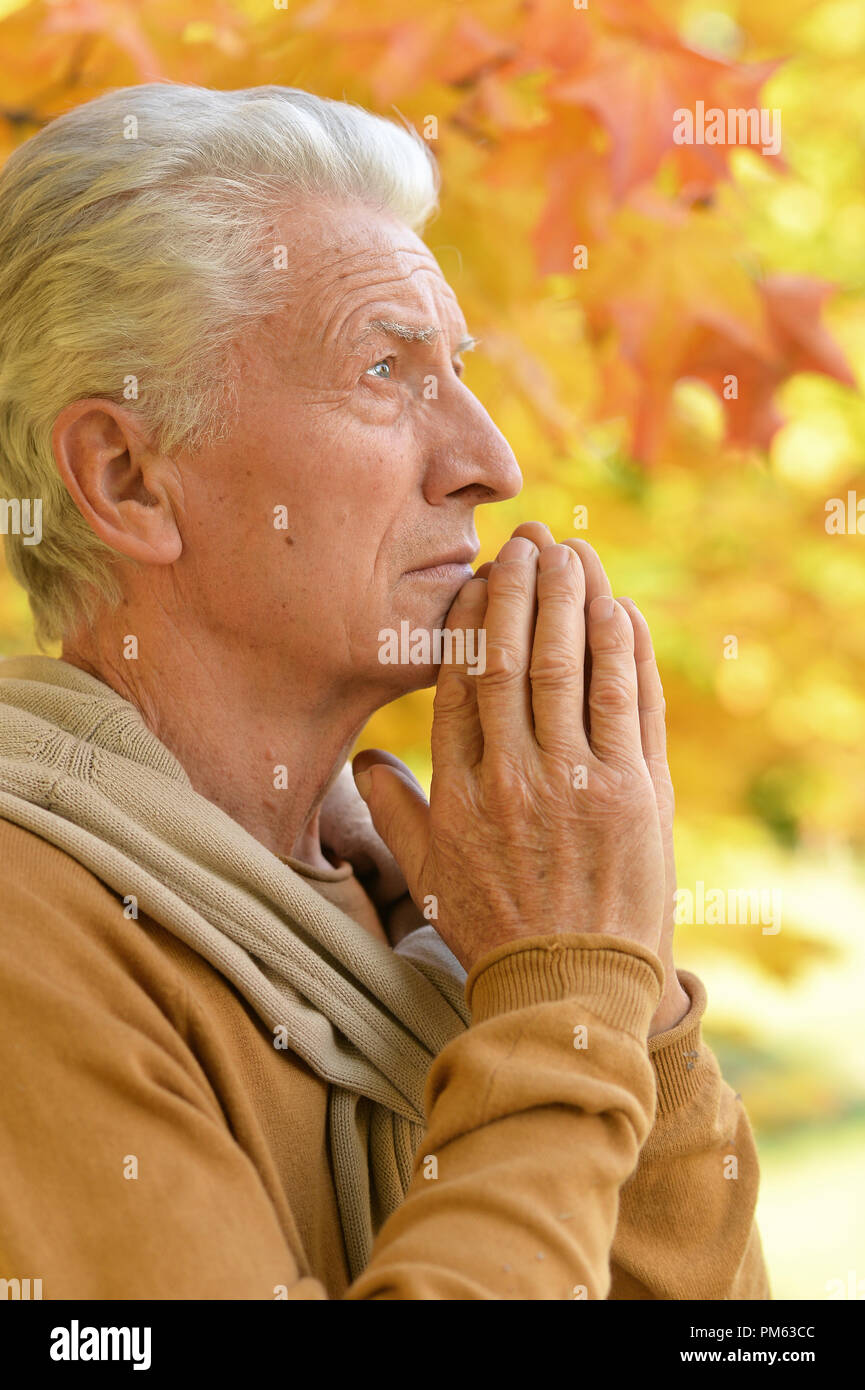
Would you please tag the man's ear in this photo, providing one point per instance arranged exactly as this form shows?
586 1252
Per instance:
121 488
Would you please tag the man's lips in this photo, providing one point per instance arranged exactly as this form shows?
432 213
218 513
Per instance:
442 574
455 567
454 570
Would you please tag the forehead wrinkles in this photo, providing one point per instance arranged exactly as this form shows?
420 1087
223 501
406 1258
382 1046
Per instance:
369 277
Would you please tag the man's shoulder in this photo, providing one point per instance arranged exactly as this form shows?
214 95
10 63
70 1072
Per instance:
45 893
36 874
72 948
63 930
61 926
80 982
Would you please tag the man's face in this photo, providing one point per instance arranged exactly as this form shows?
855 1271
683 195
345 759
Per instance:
353 418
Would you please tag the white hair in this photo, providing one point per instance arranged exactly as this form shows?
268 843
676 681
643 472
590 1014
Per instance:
133 250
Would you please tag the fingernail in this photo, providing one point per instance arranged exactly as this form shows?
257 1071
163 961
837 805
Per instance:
601 608
473 589
517 548
555 557
363 782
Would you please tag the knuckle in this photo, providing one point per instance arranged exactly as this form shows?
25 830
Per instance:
503 666
612 692
560 585
656 711
451 694
561 603
507 786
472 596
615 637
509 581
626 791
554 667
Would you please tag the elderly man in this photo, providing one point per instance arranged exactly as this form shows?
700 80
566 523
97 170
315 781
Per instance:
249 1051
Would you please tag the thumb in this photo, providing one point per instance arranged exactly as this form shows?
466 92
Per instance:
398 808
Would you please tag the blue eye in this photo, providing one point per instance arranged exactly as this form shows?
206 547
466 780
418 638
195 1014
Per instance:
385 362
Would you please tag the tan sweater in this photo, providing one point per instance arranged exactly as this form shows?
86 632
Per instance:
155 1144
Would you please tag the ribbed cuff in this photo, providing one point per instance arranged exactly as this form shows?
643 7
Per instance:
677 1055
619 980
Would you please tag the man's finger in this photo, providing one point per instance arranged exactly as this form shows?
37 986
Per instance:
650 694
615 732
558 653
398 809
457 740
596 583
503 690
596 576
536 532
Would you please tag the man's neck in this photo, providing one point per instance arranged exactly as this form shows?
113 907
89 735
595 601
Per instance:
264 751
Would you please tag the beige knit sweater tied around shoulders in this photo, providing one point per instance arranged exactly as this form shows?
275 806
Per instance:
221 1084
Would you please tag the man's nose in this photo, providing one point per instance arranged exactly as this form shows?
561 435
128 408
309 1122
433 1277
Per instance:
468 452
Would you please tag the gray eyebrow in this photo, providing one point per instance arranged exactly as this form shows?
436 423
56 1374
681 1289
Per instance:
425 334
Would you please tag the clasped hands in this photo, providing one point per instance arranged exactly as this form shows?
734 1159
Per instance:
551 804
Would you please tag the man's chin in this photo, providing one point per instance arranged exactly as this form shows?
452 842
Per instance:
414 652
403 678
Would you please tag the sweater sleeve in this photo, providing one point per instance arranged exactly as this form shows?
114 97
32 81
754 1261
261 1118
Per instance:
535 1118
686 1224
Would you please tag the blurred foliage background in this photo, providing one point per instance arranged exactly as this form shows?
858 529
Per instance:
610 373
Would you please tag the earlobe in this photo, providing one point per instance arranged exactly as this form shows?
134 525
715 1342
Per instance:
116 482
